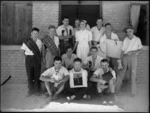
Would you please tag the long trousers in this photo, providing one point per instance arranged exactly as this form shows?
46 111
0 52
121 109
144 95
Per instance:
33 69
129 63
78 92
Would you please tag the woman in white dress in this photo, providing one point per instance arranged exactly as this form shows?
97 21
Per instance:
83 41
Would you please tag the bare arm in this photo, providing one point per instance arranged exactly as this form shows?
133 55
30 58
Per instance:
48 79
90 44
75 45
66 78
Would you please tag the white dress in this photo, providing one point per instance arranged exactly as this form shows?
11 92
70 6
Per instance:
83 37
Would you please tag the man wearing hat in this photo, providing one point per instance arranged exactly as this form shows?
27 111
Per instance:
132 46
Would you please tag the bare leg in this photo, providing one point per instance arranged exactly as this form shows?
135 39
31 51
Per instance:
47 85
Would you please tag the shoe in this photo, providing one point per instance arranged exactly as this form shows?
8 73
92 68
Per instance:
104 102
85 96
110 102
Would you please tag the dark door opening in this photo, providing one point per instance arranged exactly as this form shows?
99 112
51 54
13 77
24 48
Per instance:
142 26
88 12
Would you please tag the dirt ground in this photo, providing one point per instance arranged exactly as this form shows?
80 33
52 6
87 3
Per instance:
13 98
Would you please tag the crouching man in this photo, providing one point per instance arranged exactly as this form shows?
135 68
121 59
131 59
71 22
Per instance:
105 77
78 85
55 78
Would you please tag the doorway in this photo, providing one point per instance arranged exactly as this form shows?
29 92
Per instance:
89 12
142 26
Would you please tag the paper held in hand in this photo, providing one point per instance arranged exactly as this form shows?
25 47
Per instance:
113 48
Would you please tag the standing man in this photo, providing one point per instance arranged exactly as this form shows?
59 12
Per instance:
33 56
51 43
97 31
68 58
55 78
109 35
65 33
132 46
83 41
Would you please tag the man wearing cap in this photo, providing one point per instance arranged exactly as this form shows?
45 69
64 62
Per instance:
132 46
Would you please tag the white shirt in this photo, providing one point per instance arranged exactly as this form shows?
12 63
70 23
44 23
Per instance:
56 41
97 34
97 62
28 51
60 28
131 44
83 37
68 62
72 74
113 37
99 72
104 39
51 72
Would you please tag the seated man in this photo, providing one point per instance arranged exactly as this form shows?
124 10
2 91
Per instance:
78 82
105 75
55 78
67 59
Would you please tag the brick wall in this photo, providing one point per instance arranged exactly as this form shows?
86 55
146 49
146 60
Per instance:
12 63
44 14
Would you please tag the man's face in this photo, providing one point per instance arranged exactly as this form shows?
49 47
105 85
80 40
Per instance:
130 32
108 28
57 64
77 23
34 35
66 22
77 65
104 65
93 52
69 51
82 25
99 22
52 31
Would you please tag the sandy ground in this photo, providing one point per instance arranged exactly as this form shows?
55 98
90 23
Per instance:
13 98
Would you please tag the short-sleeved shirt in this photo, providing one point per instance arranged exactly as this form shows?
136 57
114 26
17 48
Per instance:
97 62
113 37
74 76
131 44
99 72
51 72
61 28
97 34
68 62
104 39
28 51
83 36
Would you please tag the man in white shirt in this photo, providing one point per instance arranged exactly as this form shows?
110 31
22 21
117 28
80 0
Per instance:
132 46
55 78
93 62
68 58
33 48
51 43
78 85
97 31
110 35
65 34
104 75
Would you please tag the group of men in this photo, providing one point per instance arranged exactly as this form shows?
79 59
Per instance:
76 59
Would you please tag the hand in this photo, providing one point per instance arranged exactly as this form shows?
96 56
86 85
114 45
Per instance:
102 81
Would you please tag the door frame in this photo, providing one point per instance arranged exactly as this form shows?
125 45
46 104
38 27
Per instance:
78 3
